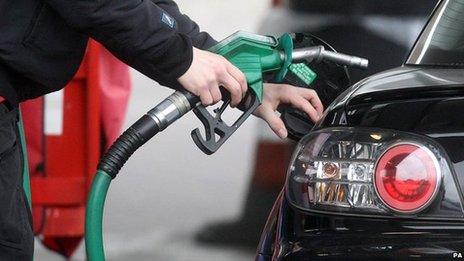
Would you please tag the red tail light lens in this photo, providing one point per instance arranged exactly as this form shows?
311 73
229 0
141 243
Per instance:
407 177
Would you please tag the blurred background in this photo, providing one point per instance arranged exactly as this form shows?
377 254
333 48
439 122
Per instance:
171 201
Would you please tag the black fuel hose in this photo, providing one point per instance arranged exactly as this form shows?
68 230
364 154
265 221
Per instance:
144 129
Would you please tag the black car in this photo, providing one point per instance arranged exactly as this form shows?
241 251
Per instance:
381 176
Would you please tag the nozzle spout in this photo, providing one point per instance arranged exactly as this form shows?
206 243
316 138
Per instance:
318 53
349 60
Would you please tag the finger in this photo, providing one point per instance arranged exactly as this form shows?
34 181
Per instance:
274 122
301 103
205 97
231 85
313 98
215 93
239 77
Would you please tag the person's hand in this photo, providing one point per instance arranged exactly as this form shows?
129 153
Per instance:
275 94
209 71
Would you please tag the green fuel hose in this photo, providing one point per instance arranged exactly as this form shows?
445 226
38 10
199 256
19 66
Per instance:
94 216
156 120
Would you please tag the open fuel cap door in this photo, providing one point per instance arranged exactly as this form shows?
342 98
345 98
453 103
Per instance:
332 79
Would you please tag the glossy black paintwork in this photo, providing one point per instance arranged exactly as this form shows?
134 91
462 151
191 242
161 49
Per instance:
427 102
406 79
402 83
306 236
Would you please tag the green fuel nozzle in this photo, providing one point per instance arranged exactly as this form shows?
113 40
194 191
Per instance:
256 55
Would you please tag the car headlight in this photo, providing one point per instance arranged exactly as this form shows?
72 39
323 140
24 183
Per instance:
372 172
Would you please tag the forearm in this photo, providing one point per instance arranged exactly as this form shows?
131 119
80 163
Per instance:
133 30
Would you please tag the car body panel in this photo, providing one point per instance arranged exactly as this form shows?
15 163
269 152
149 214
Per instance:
407 78
423 100
426 101
310 236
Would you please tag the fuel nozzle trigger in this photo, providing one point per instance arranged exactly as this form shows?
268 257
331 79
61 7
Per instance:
216 130
254 55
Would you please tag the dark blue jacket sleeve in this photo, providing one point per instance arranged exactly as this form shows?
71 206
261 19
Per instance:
139 32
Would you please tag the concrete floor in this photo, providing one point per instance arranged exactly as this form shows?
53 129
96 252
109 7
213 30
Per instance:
169 188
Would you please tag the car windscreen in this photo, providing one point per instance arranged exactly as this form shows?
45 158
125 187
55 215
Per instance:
442 41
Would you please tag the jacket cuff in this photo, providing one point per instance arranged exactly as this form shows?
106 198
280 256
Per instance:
203 41
177 58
